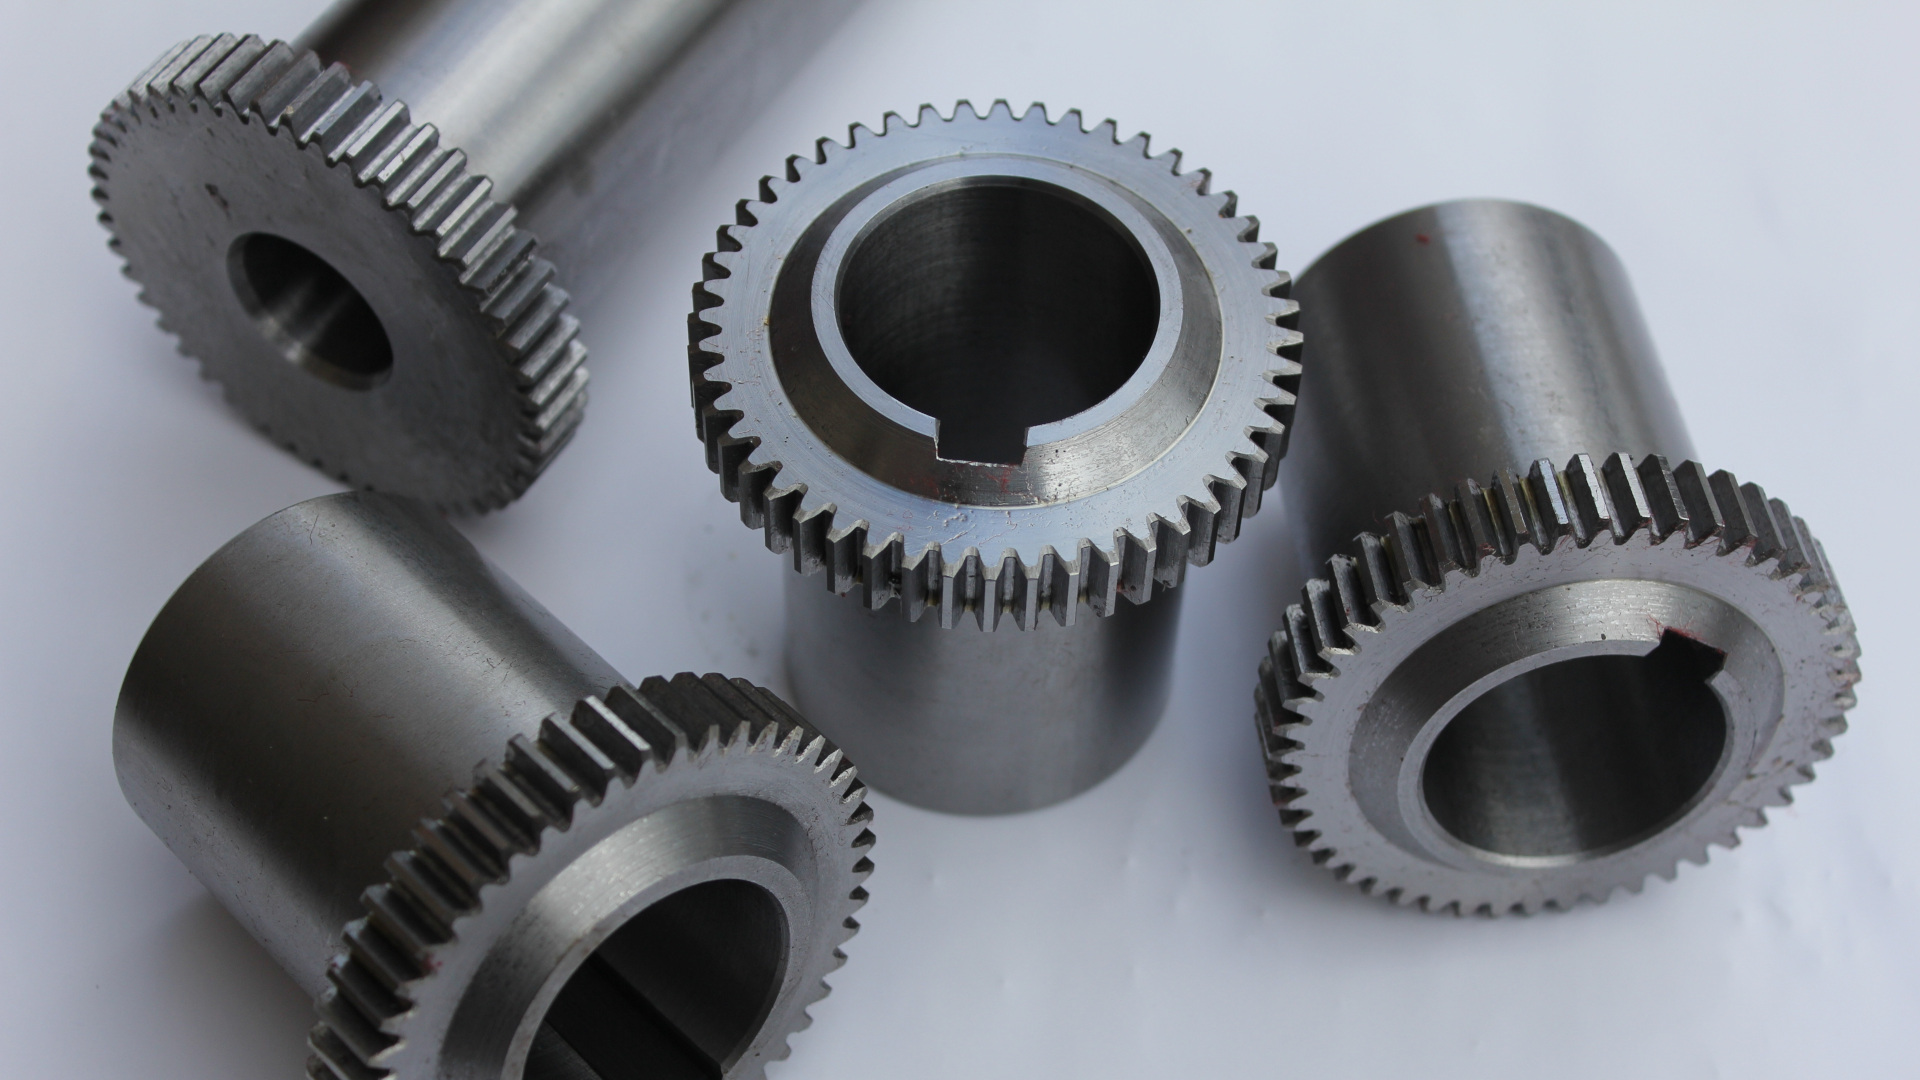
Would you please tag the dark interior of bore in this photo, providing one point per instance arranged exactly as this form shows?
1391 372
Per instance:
309 311
993 307
675 994
1581 756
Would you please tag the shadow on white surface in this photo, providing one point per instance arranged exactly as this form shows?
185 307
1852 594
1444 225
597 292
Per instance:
1755 170
232 1007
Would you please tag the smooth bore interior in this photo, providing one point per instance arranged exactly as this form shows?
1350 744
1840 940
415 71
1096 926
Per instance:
1582 756
675 994
997 305
309 311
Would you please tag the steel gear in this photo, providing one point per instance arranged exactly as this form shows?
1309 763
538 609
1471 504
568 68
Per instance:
237 175
1643 556
342 229
988 537
395 999
655 877
1541 690
987 369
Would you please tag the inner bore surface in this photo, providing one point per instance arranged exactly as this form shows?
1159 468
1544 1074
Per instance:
675 994
996 306
311 313
1581 756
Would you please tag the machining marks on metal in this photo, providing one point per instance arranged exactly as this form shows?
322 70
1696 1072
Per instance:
1542 690
993 364
280 216
714 784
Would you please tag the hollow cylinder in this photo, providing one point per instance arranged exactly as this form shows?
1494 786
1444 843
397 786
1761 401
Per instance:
1458 340
380 238
381 633
451 821
993 382
1539 653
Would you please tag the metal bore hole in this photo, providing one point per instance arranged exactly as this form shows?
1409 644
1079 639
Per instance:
312 314
675 994
995 306
1580 757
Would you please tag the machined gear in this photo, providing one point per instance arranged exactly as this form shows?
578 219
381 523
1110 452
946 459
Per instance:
397 999
1074 429
481 850
1430 612
1541 687
290 225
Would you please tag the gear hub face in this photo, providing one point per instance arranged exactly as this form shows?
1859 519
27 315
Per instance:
365 282
1536 688
995 370
653 877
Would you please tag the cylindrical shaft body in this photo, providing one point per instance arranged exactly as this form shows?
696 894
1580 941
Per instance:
314 690
1455 341
976 722
583 113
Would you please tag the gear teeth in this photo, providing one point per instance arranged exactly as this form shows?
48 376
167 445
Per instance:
1586 496
325 110
1667 510
1736 531
1631 506
958 585
879 573
1621 499
1409 555
1479 526
540 783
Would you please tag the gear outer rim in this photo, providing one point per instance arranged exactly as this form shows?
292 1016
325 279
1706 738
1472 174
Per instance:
436 199
1016 583
612 745
1450 544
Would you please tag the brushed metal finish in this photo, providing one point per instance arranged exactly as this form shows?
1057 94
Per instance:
378 238
316 688
997 381
586 115
1519 684
974 721
1458 340
446 817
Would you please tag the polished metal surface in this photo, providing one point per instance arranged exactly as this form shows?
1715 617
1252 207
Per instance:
452 822
1520 684
375 237
979 722
990 373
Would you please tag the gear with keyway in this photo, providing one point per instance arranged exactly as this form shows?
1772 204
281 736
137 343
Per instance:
956 537
397 990
1340 668
280 216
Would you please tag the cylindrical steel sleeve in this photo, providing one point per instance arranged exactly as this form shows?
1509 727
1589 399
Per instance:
315 689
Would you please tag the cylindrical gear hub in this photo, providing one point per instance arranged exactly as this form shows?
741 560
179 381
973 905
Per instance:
483 852
1562 662
342 229
998 371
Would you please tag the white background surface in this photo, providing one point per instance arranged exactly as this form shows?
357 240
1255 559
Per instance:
1757 169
